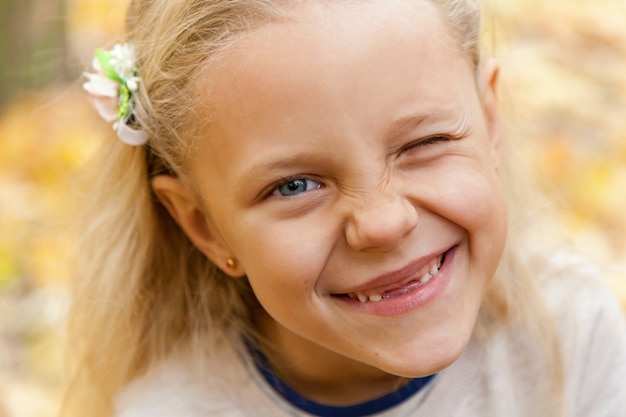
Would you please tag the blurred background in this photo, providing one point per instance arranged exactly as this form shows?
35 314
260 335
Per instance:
564 84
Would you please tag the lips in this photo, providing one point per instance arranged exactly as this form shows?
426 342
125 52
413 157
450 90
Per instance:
403 281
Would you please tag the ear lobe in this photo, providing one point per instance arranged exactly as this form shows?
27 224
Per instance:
190 216
488 89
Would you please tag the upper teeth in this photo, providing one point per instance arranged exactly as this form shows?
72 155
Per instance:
425 275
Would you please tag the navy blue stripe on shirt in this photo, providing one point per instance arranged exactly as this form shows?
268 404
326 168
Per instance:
367 408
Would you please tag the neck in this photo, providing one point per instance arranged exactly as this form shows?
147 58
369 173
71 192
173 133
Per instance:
321 375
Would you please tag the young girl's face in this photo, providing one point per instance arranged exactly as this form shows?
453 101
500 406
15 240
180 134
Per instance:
350 168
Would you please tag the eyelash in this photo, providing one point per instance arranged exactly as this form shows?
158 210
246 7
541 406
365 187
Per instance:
423 142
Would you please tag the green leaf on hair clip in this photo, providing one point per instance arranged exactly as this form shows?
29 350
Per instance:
104 58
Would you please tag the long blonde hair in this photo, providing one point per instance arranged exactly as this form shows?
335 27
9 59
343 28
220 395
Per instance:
144 290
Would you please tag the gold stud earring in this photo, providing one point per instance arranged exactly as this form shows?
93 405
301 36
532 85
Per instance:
231 263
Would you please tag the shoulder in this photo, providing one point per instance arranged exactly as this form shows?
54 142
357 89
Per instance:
184 385
592 331
576 294
168 389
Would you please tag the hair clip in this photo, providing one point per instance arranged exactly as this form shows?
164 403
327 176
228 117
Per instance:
112 90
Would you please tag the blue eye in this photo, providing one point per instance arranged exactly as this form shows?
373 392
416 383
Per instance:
295 186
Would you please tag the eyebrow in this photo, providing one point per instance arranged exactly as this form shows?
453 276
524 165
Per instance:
406 124
400 126
273 163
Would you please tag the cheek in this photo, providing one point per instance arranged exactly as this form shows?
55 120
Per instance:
276 257
470 196
473 195
484 214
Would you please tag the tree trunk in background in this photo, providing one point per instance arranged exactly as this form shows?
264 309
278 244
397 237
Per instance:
32 45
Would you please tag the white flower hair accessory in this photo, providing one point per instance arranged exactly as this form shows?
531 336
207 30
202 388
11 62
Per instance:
112 90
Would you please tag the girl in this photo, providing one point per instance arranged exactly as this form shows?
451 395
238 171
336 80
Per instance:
305 216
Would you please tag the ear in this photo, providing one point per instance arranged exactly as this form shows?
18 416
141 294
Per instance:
191 217
488 78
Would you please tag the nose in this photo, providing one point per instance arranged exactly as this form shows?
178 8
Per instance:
381 225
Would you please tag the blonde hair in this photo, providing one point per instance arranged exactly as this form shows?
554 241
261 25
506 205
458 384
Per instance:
144 289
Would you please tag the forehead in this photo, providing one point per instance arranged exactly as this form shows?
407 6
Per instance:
317 37
332 70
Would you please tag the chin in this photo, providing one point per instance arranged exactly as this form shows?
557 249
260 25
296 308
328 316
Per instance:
435 364
422 358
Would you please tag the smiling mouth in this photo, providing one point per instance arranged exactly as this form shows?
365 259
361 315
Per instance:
420 278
